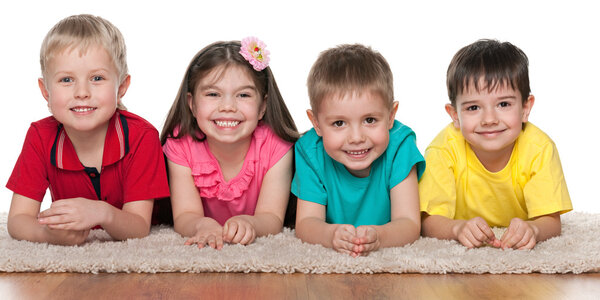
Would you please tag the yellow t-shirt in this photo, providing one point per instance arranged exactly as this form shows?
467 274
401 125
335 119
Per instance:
456 185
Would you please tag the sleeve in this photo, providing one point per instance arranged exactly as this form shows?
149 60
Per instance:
174 150
546 191
30 176
277 148
437 186
406 156
307 184
146 174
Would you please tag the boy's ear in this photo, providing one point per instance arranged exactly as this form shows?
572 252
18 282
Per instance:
124 86
527 108
43 88
393 112
313 119
453 114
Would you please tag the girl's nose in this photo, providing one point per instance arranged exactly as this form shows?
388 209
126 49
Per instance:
227 103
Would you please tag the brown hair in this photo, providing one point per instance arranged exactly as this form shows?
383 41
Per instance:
497 63
349 69
225 54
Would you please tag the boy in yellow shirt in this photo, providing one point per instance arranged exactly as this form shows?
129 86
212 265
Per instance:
490 167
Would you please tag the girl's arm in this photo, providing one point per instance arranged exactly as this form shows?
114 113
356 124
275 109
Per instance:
188 213
23 224
270 207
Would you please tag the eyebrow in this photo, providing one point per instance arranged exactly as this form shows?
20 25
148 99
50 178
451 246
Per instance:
212 86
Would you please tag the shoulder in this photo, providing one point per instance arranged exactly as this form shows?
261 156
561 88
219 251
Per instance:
136 123
448 137
45 129
533 140
309 141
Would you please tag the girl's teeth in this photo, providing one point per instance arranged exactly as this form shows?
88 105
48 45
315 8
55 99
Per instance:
227 123
83 109
357 152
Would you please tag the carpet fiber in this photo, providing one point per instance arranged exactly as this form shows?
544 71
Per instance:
577 250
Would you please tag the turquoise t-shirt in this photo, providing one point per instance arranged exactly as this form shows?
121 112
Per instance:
350 199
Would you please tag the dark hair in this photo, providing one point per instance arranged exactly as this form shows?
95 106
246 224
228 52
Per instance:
225 54
497 63
346 69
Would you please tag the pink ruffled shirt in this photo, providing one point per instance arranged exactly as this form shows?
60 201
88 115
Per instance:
224 199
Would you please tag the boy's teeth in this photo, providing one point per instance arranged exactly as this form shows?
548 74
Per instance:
227 123
357 152
82 109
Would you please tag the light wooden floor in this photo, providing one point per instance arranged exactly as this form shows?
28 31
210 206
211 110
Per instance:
297 286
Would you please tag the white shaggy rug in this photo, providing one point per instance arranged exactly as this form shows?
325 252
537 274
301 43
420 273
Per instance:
577 250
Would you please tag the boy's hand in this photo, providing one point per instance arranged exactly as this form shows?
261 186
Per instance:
208 233
343 236
73 214
67 237
474 233
519 235
366 240
238 230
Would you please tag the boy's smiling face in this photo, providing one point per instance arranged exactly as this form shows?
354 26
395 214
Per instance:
490 121
82 88
355 129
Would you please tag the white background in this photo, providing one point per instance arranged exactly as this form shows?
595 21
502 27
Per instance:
418 39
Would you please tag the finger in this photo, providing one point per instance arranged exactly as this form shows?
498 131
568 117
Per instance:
529 245
471 237
527 235
211 241
239 234
219 242
466 241
63 226
488 234
512 235
229 231
248 237
55 220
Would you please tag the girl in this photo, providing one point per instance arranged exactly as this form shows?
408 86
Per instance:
228 140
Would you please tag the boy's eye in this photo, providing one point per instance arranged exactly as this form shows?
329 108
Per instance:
97 78
370 120
338 123
472 108
504 104
66 80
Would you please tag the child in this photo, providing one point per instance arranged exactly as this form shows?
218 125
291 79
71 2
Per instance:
103 165
228 140
357 169
490 167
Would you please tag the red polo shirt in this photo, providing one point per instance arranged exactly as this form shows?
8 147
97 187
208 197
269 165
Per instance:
133 166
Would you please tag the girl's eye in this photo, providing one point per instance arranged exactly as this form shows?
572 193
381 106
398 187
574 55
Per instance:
245 95
370 120
338 123
212 94
472 108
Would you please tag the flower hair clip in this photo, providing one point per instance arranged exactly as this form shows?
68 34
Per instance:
253 50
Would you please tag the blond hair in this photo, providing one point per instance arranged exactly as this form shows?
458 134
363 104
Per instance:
82 32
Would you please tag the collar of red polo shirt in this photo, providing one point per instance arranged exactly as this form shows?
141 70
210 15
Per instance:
116 145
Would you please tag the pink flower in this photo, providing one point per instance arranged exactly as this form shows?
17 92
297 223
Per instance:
253 50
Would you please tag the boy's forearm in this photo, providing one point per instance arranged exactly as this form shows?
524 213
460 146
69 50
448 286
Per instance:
122 225
26 227
315 231
398 232
546 227
439 227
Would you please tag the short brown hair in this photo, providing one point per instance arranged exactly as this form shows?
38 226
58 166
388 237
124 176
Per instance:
495 62
349 69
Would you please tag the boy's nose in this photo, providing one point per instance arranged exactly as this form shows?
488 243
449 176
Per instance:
356 136
82 91
489 117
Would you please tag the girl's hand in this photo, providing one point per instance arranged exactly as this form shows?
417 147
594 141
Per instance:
73 214
519 235
343 237
366 240
239 230
475 232
208 233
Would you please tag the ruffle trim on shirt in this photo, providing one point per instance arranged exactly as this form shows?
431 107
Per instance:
211 184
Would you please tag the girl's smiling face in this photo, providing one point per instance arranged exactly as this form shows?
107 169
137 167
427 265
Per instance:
227 105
